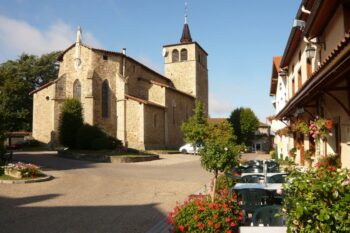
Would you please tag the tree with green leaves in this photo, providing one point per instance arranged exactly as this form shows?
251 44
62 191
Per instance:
71 119
195 128
220 153
17 79
244 123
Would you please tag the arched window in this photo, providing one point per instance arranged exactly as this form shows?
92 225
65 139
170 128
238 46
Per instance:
77 90
175 55
183 54
105 99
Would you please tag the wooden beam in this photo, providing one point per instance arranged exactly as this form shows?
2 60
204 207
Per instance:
338 88
347 110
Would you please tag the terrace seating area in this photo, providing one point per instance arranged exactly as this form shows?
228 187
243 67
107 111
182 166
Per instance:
259 191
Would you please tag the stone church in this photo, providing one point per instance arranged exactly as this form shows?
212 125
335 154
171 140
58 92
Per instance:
127 99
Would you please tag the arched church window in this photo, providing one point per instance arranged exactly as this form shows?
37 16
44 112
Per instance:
175 55
183 54
77 90
105 99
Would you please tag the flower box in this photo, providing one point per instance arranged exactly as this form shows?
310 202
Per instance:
9 171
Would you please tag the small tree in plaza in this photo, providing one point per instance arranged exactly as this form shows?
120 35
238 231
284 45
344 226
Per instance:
196 127
220 153
71 120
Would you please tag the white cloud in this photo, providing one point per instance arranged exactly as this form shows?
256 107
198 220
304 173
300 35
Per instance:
219 107
18 36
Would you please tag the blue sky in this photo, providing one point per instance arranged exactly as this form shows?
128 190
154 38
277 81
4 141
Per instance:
240 37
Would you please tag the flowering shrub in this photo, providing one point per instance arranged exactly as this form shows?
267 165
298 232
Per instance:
200 214
318 201
26 169
320 128
331 162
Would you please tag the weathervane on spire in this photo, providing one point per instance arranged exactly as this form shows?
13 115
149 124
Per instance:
186 11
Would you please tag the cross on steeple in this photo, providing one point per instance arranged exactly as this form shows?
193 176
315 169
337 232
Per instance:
186 35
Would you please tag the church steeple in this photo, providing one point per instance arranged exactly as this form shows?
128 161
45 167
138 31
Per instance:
186 35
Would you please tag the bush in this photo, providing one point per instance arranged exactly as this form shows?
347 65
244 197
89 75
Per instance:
93 138
318 201
273 154
224 182
71 119
199 214
329 162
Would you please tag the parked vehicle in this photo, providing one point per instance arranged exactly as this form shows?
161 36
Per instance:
188 149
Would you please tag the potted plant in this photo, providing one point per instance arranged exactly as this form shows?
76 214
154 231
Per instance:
301 126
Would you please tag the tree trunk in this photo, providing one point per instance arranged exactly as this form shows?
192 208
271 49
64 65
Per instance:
214 186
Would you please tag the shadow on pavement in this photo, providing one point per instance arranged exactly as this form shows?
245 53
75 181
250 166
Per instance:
73 219
49 161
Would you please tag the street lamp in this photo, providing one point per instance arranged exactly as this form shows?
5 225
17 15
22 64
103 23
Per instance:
310 52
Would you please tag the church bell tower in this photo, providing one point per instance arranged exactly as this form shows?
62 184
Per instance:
185 64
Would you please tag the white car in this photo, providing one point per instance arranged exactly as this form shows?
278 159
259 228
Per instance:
188 149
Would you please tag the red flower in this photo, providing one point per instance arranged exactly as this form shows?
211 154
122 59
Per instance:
216 216
216 226
210 222
195 217
211 205
200 225
229 231
232 224
227 219
181 228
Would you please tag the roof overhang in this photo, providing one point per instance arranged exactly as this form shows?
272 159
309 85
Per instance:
296 34
329 72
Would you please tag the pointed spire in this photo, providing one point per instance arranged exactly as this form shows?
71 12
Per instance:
78 35
186 35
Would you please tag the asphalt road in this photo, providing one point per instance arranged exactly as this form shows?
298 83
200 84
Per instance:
98 197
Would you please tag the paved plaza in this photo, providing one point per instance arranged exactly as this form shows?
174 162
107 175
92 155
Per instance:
98 197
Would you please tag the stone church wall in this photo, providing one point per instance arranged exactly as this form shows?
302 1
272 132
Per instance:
154 127
135 124
180 108
43 114
105 68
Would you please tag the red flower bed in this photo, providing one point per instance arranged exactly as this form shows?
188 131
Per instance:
200 214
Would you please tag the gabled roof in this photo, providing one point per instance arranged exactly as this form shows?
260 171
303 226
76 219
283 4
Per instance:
216 120
143 101
274 74
60 58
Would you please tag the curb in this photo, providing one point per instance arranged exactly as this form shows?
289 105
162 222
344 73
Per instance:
40 179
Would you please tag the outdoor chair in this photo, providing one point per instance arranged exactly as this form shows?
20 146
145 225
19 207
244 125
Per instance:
278 178
253 199
253 169
252 178
267 216
273 168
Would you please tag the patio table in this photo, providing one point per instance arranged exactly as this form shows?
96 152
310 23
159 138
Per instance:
268 186
268 174
248 229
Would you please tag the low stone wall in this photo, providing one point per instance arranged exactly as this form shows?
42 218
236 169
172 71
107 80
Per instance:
133 159
99 157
